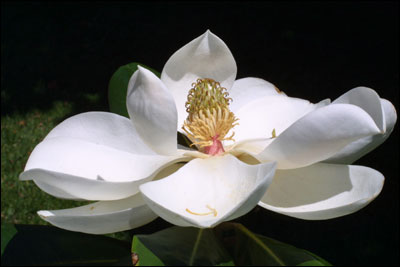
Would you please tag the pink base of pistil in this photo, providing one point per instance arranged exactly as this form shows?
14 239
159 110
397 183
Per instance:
216 148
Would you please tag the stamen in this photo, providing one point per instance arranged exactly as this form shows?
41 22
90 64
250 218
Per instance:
213 211
209 118
273 133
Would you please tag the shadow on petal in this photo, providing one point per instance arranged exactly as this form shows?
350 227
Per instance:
303 186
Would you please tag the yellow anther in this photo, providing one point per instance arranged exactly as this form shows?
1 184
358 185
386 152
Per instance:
213 211
209 118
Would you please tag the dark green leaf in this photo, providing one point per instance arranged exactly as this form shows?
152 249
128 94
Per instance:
144 256
247 248
46 245
7 233
226 245
181 246
117 88
317 262
312 263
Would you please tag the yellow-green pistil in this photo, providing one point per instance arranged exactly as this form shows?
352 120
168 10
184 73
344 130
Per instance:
209 118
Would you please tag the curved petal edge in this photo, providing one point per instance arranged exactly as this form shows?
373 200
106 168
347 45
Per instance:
322 191
102 217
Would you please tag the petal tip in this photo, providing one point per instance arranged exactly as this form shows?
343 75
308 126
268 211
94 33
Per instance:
44 214
208 33
142 71
23 177
140 68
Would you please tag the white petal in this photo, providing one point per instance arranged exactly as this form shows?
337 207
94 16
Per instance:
322 191
249 89
152 110
252 146
319 135
260 117
72 168
102 217
368 100
224 184
102 128
359 148
390 115
205 57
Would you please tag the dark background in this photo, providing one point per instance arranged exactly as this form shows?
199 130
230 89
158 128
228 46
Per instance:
312 50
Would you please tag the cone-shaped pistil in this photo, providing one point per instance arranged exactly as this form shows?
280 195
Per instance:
209 118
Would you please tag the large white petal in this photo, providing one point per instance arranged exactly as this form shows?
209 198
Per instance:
223 183
74 168
322 191
205 57
258 118
102 217
359 148
102 128
246 90
152 110
319 135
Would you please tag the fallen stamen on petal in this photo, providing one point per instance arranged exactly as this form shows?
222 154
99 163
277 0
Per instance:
209 118
273 133
213 211
278 90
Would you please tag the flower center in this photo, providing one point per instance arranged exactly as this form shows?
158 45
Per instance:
209 118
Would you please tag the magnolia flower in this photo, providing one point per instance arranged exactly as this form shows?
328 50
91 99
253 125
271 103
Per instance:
251 145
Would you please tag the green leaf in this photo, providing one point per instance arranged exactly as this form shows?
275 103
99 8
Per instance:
317 262
180 246
312 263
117 88
146 258
47 245
226 245
247 248
7 233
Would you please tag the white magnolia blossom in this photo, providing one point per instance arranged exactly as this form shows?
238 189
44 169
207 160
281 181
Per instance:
287 154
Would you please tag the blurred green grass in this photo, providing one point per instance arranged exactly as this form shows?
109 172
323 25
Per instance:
20 133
